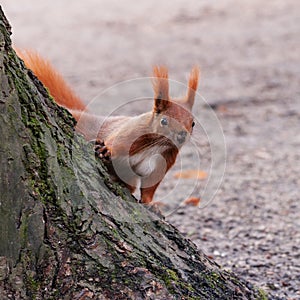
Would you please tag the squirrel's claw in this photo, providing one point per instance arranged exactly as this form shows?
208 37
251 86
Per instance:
101 151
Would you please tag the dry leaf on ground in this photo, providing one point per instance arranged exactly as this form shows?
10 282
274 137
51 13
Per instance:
191 174
193 201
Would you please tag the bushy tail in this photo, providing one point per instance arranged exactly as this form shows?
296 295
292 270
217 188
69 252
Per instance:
57 86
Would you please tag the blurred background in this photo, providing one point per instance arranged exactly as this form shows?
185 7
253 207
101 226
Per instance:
244 48
249 55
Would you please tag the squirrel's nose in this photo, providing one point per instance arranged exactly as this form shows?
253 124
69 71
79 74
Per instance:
181 136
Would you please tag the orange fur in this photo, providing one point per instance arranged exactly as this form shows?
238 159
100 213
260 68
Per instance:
193 85
160 83
131 141
57 86
194 78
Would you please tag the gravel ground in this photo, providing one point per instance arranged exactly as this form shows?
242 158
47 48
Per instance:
249 55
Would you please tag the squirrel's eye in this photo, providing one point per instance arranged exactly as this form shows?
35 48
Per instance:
193 124
163 122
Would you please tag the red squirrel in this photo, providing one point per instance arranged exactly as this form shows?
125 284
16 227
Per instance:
140 149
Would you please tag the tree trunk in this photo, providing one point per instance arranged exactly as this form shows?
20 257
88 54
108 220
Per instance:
66 231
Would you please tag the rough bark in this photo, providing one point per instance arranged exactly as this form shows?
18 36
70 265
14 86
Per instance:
67 232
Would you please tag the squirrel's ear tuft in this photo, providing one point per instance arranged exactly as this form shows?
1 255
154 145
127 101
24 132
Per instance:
192 86
161 89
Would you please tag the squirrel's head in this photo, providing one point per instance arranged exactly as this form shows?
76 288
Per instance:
173 118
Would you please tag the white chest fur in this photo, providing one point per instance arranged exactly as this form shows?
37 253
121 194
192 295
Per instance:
146 162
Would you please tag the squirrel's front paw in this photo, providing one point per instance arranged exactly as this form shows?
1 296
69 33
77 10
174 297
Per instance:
101 150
